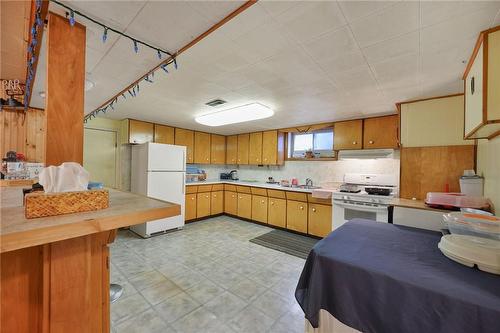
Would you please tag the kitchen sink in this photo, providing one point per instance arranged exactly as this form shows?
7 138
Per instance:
309 187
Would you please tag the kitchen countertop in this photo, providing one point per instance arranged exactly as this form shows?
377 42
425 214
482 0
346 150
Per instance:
125 209
416 204
253 184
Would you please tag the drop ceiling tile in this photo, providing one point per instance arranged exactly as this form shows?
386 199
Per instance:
395 47
345 62
263 42
434 12
275 8
311 19
106 11
451 32
397 67
358 9
248 20
155 21
450 60
215 11
332 45
390 22
358 78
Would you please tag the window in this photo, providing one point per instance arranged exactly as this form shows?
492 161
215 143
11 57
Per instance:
316 144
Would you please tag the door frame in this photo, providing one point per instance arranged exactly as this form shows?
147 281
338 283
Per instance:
117 152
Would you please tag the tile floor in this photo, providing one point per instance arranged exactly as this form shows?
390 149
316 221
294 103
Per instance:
205 278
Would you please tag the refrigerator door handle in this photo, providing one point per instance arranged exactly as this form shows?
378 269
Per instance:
183 185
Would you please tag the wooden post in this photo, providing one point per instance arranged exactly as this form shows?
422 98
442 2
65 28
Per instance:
65 91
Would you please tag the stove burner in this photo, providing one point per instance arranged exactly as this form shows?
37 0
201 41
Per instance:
350 191
378 191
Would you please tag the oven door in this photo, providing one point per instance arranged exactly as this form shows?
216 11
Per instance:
345 211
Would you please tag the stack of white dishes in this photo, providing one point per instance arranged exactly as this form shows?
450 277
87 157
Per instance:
474 240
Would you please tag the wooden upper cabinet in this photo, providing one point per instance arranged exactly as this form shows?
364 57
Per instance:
164 134
481 86
348 134
255 148
380 132
243 148
218 149
184 137
270 147
232 149
202 148
140 131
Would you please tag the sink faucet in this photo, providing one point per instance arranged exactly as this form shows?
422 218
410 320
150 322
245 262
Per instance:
309 182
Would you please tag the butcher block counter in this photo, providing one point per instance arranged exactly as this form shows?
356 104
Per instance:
55 270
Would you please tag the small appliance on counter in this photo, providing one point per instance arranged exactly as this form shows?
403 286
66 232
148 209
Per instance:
14 166
471 184
231 175
270 180
474 240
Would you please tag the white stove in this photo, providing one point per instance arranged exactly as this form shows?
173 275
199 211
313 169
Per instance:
357 198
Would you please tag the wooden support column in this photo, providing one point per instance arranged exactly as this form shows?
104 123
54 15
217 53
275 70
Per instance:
64 91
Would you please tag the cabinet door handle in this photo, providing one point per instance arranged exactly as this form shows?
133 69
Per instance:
233 196
262 201
301 207
272 203
215 195
370 142
241 197
314 209
354 142
472 85
192 198
206 196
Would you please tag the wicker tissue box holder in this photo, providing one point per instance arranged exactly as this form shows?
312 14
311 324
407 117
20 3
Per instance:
50 204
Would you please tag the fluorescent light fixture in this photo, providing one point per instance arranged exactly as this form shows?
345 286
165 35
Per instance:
236 115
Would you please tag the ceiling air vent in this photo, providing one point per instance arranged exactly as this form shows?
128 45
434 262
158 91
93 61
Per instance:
215 102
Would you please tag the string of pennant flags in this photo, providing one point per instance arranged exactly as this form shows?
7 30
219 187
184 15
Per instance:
134 88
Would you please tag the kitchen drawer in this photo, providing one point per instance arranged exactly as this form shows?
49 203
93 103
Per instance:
217 187
243 189
311 199
204 188
228 187
276 194
297 196
259 191
191 189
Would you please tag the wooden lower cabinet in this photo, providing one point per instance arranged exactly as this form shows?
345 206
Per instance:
203 205
57 287
259 208
296 215
244 205
320 220
276 212
230 202
217 203
190 210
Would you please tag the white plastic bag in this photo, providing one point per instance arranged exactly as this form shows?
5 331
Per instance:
67 177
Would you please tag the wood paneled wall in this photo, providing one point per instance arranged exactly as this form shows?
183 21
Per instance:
23 133
429 169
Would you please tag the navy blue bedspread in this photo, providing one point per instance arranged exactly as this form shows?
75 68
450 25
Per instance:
379 277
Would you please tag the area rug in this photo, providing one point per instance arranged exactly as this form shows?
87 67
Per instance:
287 242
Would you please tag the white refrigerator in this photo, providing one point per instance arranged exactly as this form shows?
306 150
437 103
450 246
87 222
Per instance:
159 171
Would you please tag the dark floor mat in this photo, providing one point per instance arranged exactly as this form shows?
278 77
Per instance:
294 244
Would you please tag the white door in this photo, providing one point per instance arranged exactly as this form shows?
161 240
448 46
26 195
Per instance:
99 155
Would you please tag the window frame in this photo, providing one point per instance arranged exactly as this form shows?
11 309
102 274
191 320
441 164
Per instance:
318 153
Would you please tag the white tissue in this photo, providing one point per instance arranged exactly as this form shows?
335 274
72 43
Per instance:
67 177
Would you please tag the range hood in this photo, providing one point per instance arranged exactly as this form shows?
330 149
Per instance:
364 154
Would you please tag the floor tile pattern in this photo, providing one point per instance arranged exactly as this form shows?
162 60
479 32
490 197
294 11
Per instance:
207 277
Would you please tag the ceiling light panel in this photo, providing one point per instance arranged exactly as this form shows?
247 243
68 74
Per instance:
239 114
